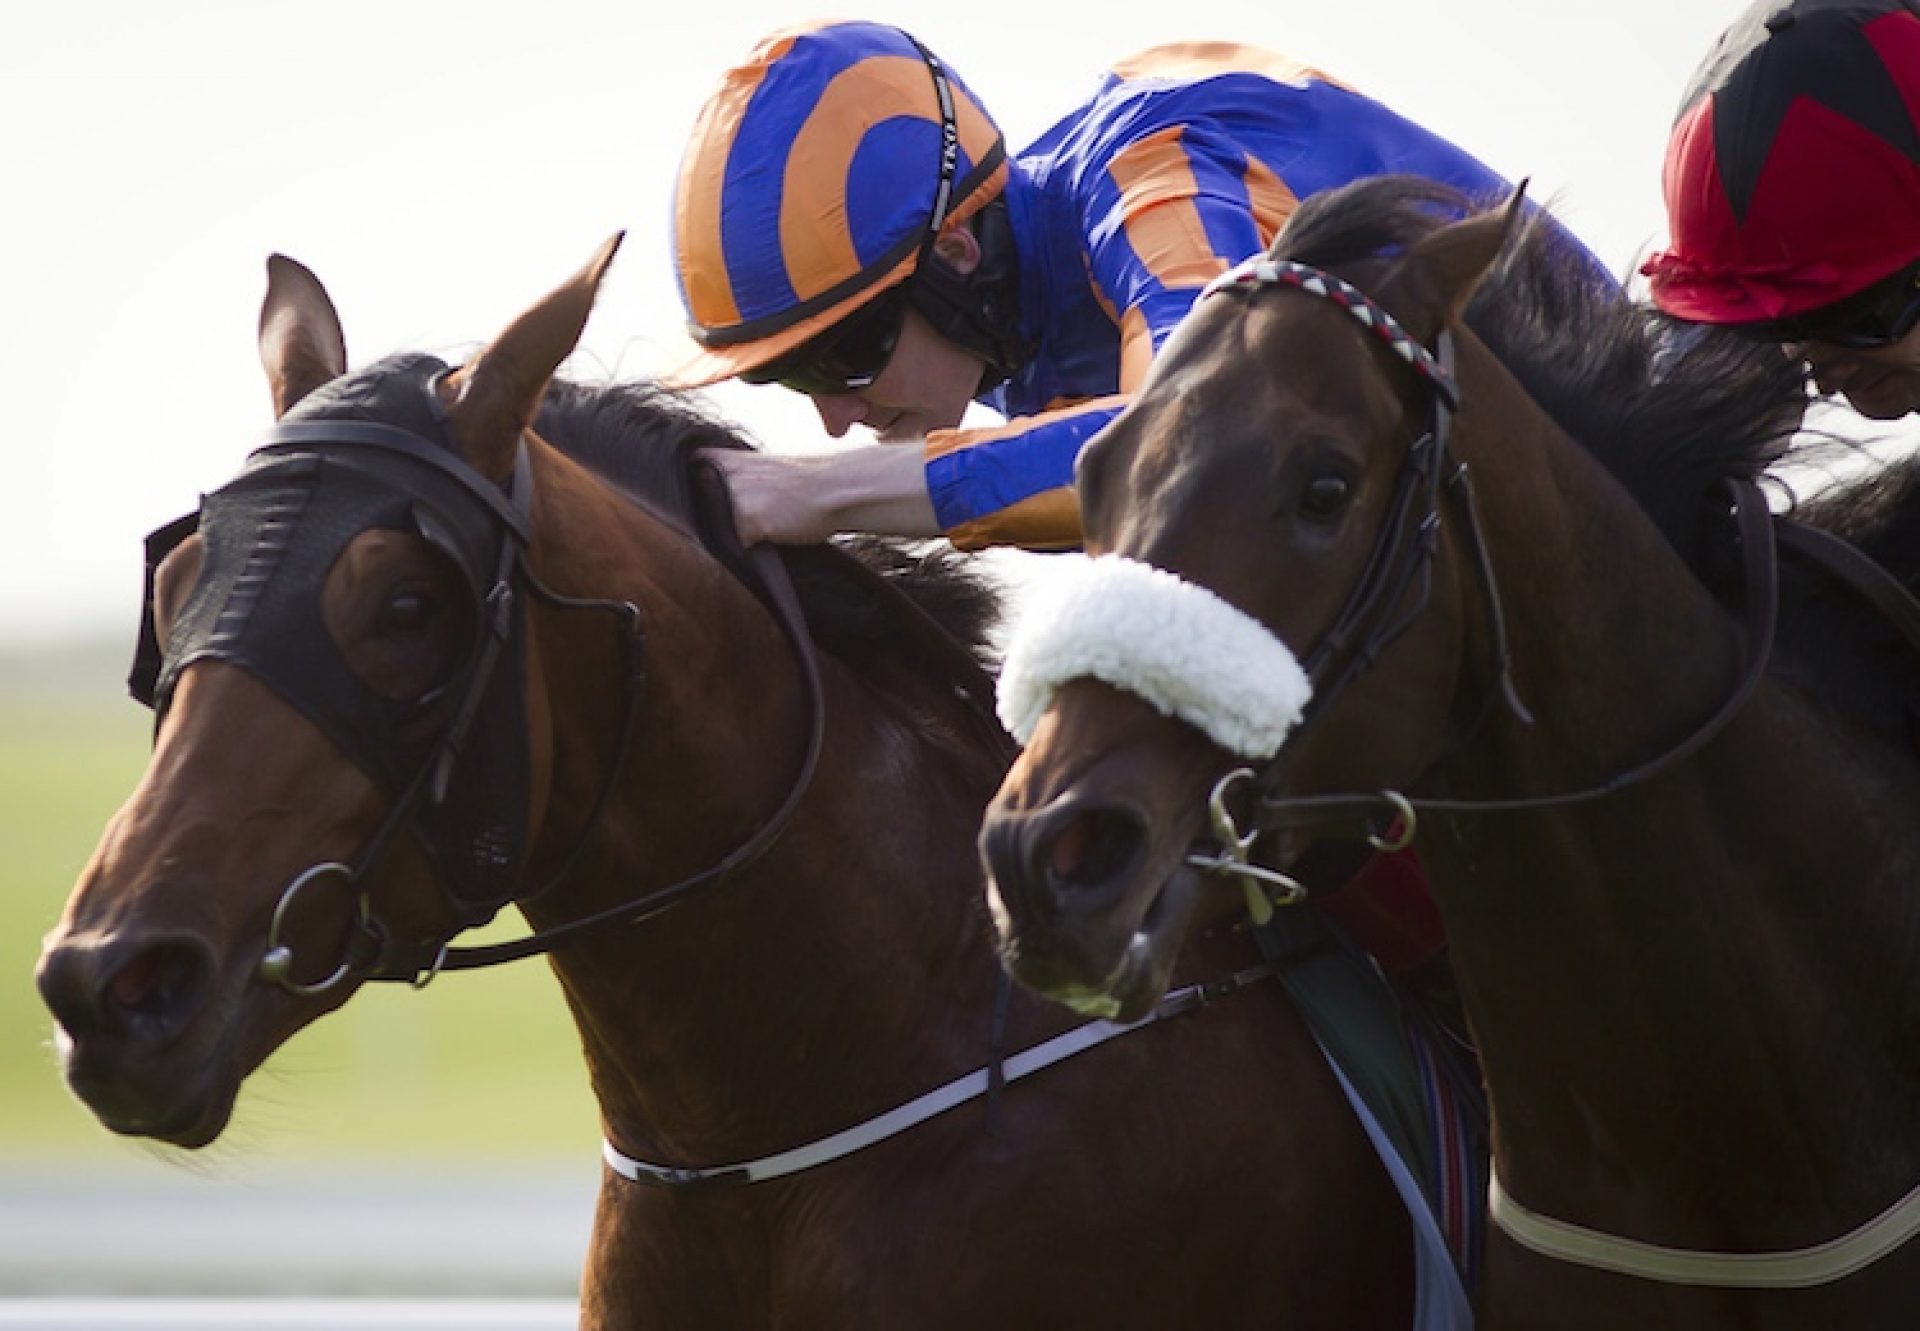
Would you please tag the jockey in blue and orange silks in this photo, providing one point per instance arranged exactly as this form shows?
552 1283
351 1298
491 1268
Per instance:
848 223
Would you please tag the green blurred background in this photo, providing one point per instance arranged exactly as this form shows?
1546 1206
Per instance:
482 1062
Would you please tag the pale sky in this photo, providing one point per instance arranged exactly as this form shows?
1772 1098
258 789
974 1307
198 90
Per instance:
441 166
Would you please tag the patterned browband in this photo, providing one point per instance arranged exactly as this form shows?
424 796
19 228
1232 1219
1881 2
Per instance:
1261 271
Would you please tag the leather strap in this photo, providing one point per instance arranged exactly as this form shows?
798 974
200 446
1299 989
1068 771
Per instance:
935 1102
1847 564
1798 1268
1372 814
779 589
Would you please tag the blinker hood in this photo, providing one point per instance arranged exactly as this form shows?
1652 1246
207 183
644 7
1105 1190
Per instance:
329 472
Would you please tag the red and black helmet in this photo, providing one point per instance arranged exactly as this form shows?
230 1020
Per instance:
1792 177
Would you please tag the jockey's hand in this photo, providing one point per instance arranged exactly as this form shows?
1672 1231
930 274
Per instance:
802 499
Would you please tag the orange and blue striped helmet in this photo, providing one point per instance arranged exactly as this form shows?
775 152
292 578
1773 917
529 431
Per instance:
817 176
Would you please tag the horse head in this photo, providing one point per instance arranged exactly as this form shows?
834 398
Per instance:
1262 520
320 640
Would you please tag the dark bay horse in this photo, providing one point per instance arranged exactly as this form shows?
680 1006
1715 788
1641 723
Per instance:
419 661
1679 888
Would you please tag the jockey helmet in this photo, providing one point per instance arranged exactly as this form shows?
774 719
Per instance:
1792 176
818 175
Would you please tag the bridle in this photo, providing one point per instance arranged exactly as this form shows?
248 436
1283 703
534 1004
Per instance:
1394 589
294 453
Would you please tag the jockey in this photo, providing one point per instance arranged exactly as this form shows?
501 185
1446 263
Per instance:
825 241
1792 185
848 223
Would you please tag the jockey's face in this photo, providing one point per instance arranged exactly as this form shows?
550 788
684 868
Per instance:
1880 382
926 385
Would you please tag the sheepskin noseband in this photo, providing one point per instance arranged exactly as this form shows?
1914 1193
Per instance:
1172 643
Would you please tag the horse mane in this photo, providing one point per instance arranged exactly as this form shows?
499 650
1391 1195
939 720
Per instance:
1668 408
640 438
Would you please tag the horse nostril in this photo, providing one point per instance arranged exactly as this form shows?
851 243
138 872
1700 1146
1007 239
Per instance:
158 989
1094 847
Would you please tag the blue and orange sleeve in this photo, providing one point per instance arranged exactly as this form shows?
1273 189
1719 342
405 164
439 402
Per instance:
1177 208
1174 209
1013 484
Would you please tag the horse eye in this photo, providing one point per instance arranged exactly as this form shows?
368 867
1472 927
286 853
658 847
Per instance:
1325 495
408 611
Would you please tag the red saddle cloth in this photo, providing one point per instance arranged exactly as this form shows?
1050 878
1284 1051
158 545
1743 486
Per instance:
1388 909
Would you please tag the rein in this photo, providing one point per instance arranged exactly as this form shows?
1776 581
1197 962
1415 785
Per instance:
1376 812
765 562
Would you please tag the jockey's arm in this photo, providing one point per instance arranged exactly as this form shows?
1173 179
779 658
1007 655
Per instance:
800 499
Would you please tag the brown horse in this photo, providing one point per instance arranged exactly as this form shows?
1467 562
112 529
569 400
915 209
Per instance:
419 661
1678 889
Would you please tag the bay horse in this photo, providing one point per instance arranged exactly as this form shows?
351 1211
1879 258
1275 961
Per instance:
420 660
1342 544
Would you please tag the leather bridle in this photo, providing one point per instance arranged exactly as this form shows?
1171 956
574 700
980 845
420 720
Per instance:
371 951
1395 586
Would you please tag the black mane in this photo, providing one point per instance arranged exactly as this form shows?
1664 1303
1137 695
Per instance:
1669 408
640 438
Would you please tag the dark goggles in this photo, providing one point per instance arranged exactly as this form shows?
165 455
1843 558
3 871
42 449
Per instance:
1879 316
846 357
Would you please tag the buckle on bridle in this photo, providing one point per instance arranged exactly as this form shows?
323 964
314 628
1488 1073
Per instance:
1265 888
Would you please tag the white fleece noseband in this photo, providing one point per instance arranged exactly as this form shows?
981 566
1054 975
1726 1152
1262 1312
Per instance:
1172 643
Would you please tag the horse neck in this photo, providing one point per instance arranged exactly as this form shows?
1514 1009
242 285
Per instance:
763 1007
1702 973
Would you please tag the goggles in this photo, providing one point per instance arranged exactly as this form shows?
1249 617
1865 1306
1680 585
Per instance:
846 357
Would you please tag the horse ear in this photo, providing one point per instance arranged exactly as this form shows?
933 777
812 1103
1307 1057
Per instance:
301 345
1429 287
492 399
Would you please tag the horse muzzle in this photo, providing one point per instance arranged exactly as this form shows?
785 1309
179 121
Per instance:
1086 917
130 1010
